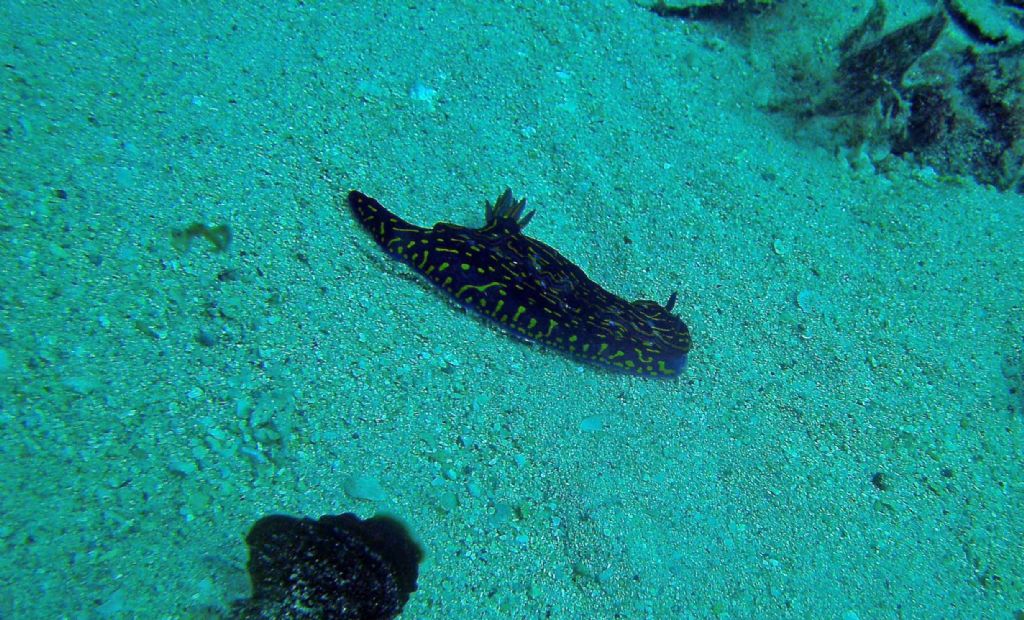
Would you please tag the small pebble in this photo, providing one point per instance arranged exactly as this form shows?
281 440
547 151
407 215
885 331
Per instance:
205 338
807 300
182 468
448 501
423 93
81 385
363 486
503 513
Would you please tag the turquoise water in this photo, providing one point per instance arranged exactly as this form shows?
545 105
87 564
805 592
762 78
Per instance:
846 442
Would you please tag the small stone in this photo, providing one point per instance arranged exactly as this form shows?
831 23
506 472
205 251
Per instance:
807 300
448 501
424 94
338 566
365 487
182 468
503 513
205 338
81 385
592 424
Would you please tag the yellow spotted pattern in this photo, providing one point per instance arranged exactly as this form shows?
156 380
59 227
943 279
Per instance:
530 289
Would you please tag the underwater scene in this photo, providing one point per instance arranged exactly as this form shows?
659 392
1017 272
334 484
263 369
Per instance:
541 309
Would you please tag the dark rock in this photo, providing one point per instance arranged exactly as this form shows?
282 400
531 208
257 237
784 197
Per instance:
874 69
931 119
973 124
335 568
961 112
710 10
988 23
